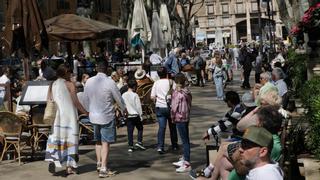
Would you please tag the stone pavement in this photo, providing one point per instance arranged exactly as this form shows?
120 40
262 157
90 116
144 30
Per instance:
142 165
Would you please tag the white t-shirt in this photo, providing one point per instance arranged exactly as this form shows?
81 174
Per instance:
155 59
75 66
3 80
133 104
159 90
282 87
266 172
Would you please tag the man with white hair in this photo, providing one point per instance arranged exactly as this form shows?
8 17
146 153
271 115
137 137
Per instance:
172 64
277 77
264 87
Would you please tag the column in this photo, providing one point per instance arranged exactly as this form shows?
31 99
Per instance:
234 34
248 5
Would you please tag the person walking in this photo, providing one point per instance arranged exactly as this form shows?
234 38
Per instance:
172 64
102 114
246 62
219 75
63 143
199 65
161 94
180 115
134 109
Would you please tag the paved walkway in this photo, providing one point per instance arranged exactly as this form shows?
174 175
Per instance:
142 165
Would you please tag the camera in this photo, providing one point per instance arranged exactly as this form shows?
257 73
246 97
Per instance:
122 122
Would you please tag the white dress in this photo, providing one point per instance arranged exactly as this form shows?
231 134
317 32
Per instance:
63 143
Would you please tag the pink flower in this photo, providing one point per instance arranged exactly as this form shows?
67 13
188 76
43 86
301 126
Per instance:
317 5
306 18
295 30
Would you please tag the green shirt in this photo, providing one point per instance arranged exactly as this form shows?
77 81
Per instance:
275 156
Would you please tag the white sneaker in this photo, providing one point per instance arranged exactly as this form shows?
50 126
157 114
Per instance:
179 163
186 167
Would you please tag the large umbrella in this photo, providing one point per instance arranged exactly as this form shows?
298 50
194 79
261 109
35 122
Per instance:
157 36
71 27
24 28
140 24
165 24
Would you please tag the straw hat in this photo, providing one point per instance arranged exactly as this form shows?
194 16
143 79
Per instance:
139 74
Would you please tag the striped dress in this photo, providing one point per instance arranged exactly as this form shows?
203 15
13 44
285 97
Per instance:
63 143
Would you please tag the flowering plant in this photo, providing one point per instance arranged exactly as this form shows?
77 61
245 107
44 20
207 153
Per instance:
309 21
311 18
295 30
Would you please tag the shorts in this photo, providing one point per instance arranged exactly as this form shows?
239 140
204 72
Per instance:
105 132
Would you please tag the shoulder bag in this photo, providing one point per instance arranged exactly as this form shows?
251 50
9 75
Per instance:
51 108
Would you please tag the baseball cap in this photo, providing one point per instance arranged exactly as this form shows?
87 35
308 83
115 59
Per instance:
258 135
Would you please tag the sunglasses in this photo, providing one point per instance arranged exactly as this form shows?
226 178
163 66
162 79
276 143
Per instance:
246 144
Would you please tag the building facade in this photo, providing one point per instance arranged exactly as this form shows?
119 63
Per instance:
230 21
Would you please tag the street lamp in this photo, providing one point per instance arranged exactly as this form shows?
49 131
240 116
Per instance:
260 29
266 3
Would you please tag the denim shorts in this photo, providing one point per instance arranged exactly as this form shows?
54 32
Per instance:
105 132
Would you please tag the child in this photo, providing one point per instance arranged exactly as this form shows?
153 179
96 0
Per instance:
180 111
134 109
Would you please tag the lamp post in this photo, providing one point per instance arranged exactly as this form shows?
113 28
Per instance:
260 29
268 27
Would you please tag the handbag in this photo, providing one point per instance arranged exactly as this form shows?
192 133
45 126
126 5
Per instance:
187 68
51 109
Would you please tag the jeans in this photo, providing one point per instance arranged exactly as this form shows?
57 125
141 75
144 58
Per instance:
183 128
246 76
199 77
163 115
218 81
131 123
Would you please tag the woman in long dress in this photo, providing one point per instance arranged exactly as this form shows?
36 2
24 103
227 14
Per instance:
63 143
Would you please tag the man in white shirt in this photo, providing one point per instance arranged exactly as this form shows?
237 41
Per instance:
4 79
101 93
277 77
160 94
155 59
255 151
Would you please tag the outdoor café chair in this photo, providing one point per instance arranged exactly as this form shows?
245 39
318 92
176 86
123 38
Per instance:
40 128
84 124
11 129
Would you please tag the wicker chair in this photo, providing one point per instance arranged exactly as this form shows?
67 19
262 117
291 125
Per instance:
84 125
40 129
11 129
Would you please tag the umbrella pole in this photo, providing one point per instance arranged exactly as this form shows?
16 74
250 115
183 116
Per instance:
26 68
142 55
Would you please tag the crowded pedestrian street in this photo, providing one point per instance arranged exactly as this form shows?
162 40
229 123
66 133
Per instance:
144 165
160 89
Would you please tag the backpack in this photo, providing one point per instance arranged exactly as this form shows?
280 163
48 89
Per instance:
168 95
201 62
